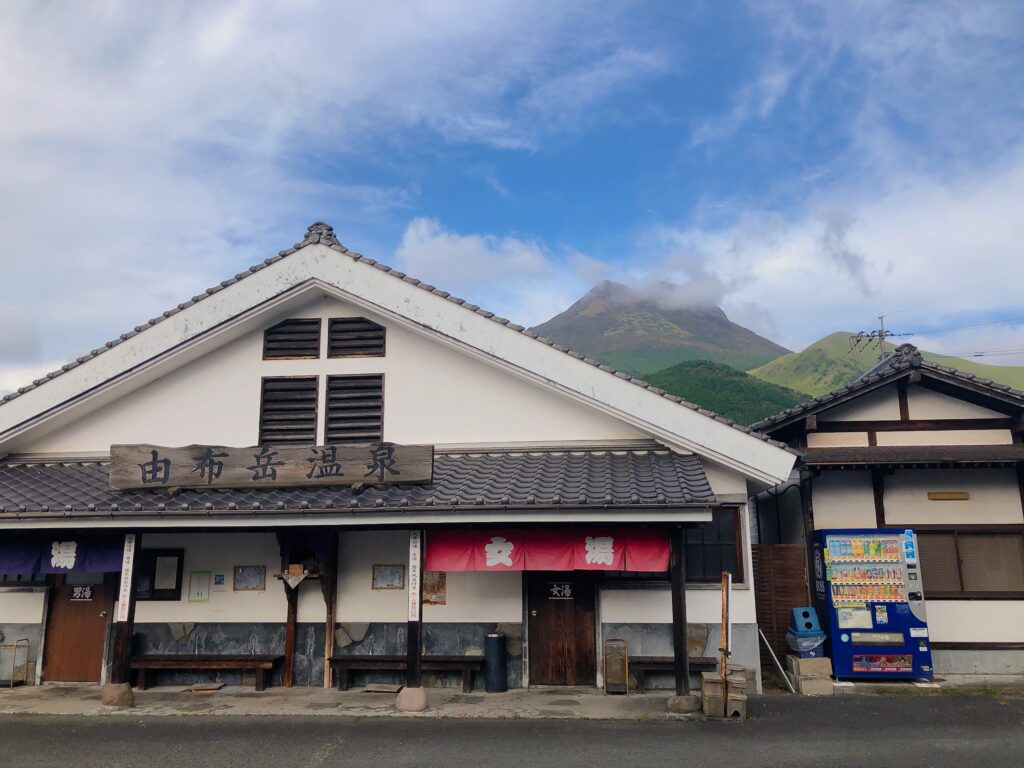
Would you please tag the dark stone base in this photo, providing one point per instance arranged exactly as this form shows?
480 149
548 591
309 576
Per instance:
268 638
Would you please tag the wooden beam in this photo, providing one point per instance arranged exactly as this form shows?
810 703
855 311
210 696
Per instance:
329 587
680 645
811 423
914 425
901 394
914 377
878 490
124 626
414 626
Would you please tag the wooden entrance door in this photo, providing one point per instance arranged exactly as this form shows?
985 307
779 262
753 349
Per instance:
76 627
561 628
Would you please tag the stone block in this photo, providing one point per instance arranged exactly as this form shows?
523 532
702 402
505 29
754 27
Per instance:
117 695
718 706
411 700
820 667
814 686
684 704
711 682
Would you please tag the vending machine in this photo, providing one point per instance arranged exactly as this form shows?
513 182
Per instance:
869 590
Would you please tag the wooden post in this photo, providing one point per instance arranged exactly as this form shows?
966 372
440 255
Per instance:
329 587
414 648
124 621
677 573
292 595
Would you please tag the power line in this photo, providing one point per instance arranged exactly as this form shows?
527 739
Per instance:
975 325
957 292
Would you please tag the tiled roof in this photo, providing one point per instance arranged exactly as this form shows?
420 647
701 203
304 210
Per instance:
322 233
905 358
503 479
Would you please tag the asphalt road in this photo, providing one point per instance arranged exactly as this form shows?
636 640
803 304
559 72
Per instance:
783 731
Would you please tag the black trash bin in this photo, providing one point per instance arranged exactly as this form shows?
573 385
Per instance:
495 664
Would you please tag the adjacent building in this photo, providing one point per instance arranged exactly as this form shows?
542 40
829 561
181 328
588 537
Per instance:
914 444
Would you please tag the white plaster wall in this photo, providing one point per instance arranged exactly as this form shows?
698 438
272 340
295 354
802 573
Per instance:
836 439
947 437
975 621
703 605
724 481
433 394
925 404
221 552
843 500
21 607
881 404
995 497
471 596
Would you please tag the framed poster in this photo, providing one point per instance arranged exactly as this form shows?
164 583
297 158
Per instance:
250 578
158 574
388 577
435 588
199 587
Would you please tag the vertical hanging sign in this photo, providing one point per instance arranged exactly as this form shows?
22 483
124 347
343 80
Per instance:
415 565
125 592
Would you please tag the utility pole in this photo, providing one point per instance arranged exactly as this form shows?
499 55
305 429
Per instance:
881 337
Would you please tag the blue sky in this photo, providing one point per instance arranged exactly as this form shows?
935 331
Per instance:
806 166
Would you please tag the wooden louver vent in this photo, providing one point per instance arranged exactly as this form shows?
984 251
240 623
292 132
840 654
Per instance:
354 337
288 411
292 339
355 409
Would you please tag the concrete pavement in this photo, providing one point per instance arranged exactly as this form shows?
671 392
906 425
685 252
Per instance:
908 731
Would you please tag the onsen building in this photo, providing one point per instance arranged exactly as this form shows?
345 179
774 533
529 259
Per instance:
323 458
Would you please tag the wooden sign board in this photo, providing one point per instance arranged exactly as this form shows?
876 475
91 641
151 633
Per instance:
134 467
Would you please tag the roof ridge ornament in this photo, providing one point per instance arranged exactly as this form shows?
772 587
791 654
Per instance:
320 232
906 354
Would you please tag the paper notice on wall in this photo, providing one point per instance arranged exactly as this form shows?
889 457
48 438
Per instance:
166 575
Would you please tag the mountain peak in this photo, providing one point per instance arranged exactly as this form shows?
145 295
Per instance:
640 329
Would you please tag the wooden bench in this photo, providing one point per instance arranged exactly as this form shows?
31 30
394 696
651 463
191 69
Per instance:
262 665
343 666
641 665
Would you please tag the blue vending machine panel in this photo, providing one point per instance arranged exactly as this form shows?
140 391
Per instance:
869 591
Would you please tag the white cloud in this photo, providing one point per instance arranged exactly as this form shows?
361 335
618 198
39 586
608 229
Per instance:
515 277
850 256
153 150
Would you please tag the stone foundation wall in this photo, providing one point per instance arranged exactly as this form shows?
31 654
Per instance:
369 638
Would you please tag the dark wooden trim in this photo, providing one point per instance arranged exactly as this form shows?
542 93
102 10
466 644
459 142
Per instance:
977 646
873 439
807 508
878 490
913 425
973 595
292 596
1020 487
121 655
901 395
811 423
329 588
964 527
680 650
316 407
304 326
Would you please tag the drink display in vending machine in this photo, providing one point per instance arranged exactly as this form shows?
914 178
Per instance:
868 584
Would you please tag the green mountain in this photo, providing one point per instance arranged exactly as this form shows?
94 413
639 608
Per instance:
829 363
618 326
725 390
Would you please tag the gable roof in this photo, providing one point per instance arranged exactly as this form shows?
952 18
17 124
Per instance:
898 364
767 463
